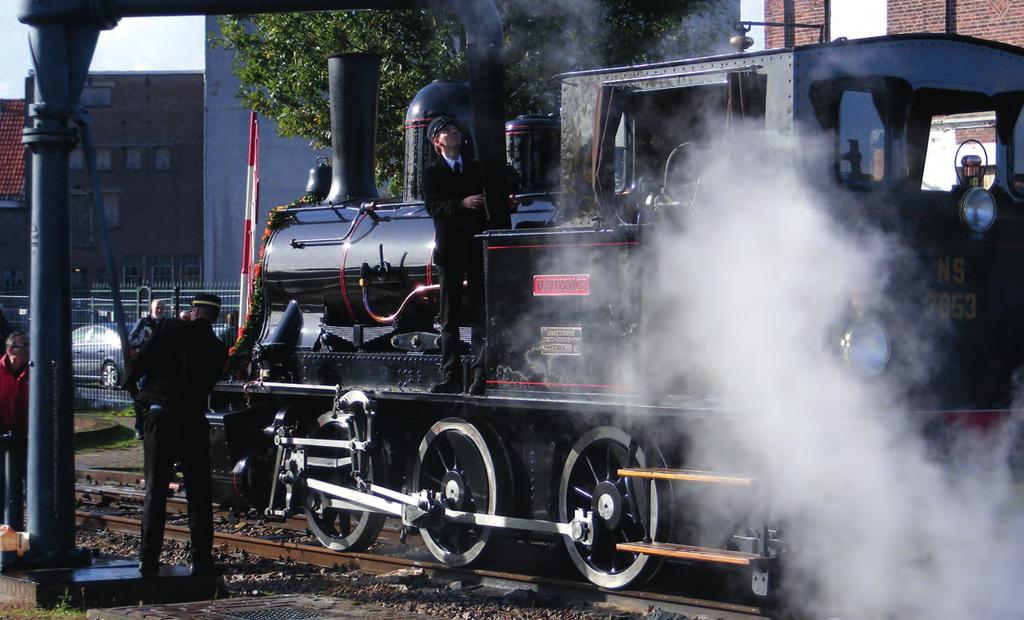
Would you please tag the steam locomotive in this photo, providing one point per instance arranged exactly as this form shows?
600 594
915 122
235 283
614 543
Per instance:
336 421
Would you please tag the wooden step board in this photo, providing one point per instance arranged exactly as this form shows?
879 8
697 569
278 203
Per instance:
700 554
686 475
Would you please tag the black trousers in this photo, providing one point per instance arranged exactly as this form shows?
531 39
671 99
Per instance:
453 313
13 452
177 436
140 407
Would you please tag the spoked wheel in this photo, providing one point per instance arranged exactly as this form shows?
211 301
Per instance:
590 482
471 471
337 528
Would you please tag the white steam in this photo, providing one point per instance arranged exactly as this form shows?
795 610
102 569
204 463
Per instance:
753 286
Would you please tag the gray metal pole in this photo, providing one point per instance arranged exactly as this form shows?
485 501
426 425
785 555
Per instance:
61 55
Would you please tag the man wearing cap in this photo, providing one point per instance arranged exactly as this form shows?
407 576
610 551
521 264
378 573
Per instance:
453 189
182 362
137 338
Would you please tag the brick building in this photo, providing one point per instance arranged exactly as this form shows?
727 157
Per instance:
15 215
148 134
998 20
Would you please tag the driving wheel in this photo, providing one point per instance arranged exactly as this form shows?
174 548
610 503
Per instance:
336 527
470 470
590 482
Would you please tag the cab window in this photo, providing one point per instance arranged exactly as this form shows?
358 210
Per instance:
1017 174
861 139
623 152
970 133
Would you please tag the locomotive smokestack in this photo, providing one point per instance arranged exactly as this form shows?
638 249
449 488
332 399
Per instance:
354 79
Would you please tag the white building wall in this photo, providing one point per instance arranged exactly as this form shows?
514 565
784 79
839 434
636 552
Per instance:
284 167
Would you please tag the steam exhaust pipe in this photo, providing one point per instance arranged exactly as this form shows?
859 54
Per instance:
354 81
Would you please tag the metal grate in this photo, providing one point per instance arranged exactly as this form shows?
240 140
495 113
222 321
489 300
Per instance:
276 613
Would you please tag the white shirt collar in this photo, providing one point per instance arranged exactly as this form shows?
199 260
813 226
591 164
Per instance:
451 162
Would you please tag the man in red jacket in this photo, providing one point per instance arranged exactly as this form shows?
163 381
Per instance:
14 426
14 385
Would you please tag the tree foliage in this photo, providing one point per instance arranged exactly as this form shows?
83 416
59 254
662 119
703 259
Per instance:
281 58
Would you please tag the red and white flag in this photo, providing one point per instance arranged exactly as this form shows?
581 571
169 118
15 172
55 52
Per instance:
252 201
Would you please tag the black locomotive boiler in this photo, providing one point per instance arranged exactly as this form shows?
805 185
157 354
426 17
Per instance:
336 423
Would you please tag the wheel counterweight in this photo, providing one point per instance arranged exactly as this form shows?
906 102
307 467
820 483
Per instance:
590 482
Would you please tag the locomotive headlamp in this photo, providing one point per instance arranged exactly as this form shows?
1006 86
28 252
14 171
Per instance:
866 346
977 209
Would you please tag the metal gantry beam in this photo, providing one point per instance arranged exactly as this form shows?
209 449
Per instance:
63 37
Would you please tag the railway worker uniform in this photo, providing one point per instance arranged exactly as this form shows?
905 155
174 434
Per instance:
181 363
453 190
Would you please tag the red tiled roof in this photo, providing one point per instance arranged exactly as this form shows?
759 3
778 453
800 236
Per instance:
12 151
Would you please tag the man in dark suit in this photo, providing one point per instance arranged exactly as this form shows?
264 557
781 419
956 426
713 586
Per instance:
182 362
453 189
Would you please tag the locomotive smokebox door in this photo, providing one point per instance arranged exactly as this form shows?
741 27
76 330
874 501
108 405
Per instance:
562 310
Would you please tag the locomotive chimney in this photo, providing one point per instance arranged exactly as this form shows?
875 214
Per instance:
354 79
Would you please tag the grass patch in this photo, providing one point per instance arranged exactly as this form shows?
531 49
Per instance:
38 613
116 437
126 412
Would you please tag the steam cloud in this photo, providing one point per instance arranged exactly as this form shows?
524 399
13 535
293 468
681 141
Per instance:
751 283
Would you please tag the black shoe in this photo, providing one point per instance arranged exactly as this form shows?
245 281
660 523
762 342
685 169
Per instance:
138 435
149 569
448 386
204 569
478 386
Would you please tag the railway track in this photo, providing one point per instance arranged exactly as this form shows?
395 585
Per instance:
389 555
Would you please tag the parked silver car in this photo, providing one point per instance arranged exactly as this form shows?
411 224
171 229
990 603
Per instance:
96 355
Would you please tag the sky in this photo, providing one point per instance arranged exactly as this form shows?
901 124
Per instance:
140 43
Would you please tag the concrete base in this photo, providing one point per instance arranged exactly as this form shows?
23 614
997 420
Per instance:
106 583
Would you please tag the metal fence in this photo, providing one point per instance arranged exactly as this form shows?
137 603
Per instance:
95 307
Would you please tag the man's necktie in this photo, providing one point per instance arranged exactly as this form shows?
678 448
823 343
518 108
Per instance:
458 167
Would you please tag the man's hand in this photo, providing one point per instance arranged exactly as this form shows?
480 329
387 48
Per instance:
474 202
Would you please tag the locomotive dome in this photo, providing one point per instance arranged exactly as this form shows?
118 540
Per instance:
442 97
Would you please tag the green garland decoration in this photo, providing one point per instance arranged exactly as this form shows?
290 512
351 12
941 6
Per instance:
240 355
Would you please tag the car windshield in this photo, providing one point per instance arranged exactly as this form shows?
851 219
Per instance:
106 335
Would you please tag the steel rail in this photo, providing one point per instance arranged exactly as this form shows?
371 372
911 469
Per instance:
98 495
638 601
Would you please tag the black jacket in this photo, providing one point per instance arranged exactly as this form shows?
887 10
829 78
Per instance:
181 362
454 226
143 331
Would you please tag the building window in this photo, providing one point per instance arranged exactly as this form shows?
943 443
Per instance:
131 266
162 158
103 158
133 158
96 96
161 269
79 278
112 208
81 220
190 269
76 161
14 280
